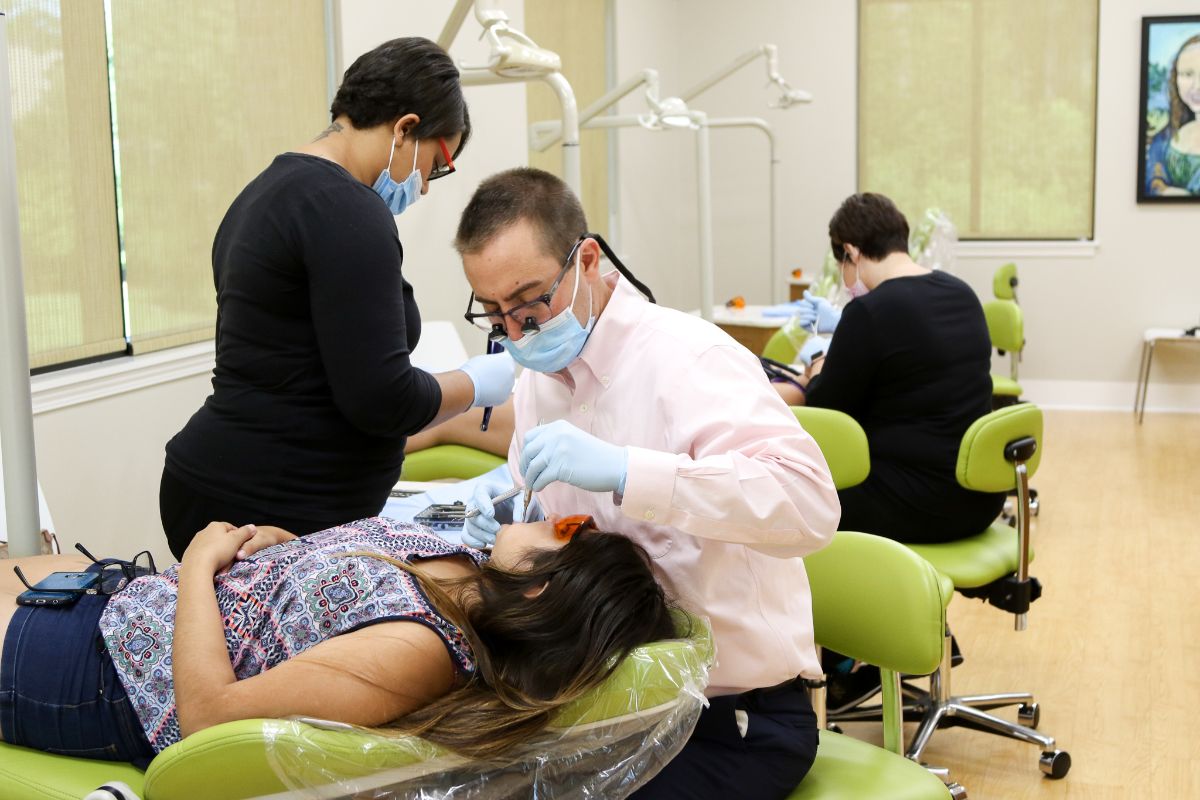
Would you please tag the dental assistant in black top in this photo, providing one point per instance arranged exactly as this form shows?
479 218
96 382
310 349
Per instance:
910 360
313 392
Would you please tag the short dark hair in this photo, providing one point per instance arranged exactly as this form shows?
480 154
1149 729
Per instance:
410 75
523 193
870 222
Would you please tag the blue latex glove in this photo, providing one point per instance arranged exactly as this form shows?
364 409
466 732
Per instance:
813 346
493 375
819 310
559 451
480 530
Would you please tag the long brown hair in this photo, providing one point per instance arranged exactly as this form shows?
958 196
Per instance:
1181 114
535 654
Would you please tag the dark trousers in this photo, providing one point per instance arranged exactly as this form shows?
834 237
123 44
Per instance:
718 762
185 512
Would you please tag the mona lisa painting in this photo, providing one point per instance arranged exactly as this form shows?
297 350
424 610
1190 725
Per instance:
1169 144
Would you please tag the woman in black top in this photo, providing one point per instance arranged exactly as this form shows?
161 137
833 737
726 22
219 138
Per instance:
911 361
313 391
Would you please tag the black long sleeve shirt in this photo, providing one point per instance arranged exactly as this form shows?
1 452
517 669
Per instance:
911 362
313 391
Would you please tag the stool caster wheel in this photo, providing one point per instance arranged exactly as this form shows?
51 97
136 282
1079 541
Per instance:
833 726
1029 714
957 791
1055 763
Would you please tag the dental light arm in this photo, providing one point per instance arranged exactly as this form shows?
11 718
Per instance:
545 133
788 96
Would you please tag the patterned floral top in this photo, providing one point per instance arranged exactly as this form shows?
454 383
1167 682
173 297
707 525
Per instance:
277 604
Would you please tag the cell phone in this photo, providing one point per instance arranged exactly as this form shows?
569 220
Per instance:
57 589
443 516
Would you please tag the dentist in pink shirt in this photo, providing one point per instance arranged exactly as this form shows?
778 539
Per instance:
662 428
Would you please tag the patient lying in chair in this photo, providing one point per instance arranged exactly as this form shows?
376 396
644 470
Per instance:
375 623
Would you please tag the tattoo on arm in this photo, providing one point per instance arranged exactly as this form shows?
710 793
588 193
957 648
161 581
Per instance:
333 128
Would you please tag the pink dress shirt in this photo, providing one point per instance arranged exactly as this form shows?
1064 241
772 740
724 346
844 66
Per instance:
724 489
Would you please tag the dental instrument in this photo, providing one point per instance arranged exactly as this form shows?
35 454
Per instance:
500 498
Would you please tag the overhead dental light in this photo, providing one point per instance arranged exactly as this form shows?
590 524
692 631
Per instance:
511 53
668 113
790 97
514 55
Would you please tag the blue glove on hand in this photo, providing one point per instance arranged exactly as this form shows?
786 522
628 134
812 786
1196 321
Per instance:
559 451
480 530
813 346
493 376
819 310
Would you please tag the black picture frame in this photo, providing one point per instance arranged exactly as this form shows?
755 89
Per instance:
1167 118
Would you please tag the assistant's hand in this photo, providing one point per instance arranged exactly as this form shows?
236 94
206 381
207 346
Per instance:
813 346
493 375
559 451
819 310
480 531
215 548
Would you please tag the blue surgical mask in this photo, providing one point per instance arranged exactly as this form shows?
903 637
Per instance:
560 340
399 196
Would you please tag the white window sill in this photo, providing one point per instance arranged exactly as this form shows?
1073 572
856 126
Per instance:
1084 248
70 387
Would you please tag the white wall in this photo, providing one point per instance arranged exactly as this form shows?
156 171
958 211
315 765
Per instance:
1084 316
687 40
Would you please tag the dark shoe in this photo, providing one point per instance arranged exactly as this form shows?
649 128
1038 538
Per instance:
845 690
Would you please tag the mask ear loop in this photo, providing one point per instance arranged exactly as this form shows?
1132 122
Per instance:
416 149
391 155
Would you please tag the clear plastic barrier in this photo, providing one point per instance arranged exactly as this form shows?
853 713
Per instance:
605 745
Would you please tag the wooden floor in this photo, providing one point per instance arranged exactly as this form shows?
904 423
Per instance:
1112 652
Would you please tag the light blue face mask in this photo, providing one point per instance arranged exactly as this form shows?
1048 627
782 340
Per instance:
399 196
560 340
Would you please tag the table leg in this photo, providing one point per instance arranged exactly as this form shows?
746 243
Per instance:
1141 376
1146 381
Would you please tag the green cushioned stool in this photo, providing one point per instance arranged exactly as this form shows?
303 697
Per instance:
233 761
999 453
447 461
1006 329
1004 282
876 601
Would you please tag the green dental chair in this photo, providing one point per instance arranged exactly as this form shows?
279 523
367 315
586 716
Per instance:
235 760
999 452
780 348
447 461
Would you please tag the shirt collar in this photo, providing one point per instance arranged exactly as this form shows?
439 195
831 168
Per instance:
613 329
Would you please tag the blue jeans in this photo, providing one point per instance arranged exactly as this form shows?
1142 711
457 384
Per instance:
59 690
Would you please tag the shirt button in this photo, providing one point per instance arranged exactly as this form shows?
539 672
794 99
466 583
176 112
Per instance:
583 407
606 380
649 515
